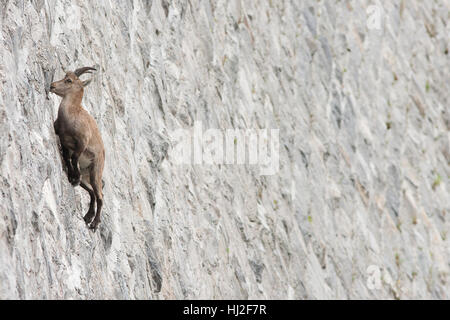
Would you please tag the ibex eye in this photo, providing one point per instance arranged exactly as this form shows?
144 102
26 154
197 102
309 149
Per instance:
68 80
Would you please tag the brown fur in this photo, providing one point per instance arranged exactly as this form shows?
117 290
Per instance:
82 145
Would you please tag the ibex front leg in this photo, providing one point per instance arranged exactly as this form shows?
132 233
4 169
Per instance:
65 151
76 174
66 158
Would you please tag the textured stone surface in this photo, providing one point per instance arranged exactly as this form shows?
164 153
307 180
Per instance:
362 187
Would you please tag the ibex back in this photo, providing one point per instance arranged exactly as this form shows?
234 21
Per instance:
82 146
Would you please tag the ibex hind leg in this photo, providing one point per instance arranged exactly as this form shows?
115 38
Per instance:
91 213
96 182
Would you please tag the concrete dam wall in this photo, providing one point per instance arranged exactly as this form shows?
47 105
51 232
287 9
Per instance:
254 150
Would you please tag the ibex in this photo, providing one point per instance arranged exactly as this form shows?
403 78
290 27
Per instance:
82 146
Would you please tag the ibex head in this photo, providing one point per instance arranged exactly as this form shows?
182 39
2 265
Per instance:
71 83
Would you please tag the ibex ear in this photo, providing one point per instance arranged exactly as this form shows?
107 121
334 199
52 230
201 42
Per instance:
86 82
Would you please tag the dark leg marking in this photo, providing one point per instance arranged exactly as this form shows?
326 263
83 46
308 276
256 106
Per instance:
91 213
96 182
66 158
76 170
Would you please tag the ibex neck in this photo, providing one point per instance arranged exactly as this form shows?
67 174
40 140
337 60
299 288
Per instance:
73 99
71 103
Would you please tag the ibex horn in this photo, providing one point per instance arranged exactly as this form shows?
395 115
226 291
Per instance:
80 71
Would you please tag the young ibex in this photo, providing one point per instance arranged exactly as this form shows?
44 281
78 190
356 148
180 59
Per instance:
82 146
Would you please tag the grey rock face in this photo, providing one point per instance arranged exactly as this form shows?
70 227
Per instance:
359 207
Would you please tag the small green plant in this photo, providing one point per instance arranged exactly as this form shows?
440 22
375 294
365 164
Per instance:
224 59
427 86
309 219
397 260
389 122
437 181
275 202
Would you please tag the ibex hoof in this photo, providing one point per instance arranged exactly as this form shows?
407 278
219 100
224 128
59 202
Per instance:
88 218
94 225
75 181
